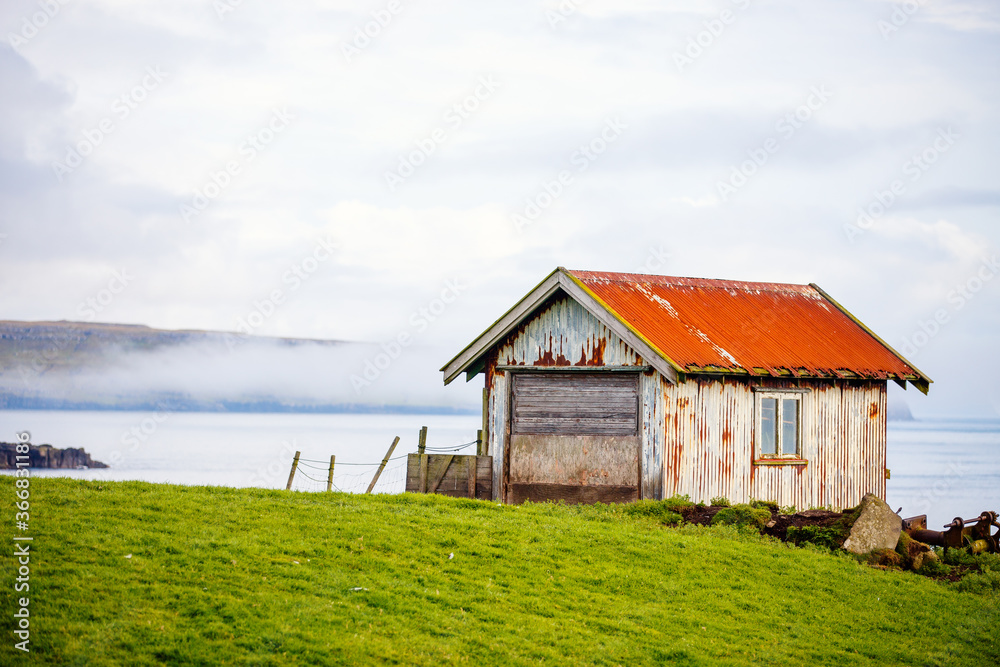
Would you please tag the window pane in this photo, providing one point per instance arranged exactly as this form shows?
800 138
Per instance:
789 426
768 426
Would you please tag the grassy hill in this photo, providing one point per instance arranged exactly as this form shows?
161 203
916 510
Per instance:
242 576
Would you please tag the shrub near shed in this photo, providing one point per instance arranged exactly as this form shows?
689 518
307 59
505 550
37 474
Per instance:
742 515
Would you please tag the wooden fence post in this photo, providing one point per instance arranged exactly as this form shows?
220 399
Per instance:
480 443
421 449
472 475
381 467
422 479
486 413
329 478
291 474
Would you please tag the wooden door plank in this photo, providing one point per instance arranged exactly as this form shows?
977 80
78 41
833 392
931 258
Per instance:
444 465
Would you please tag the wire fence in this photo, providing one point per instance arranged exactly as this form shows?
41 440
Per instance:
311 475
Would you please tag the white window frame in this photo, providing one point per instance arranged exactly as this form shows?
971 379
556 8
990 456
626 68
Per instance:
780 395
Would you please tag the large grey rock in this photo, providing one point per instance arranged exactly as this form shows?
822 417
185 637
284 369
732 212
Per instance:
877 527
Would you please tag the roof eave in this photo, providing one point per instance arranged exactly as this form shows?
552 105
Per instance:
501 327
563 280
922 382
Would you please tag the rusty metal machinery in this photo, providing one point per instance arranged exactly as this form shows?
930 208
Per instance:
980 535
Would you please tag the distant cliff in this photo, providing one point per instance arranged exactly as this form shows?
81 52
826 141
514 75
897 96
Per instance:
47 456
39 347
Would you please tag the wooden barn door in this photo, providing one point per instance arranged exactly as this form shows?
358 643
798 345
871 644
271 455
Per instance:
574 437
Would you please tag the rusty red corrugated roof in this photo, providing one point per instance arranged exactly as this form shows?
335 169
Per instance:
706 325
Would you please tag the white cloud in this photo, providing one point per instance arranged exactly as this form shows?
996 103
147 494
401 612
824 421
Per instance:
700 202
961 247
958 15
325 174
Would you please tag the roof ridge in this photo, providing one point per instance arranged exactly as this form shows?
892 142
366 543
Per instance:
718 283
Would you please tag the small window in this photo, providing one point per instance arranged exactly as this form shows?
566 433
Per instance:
778 426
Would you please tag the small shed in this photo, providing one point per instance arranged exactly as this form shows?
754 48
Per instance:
615 387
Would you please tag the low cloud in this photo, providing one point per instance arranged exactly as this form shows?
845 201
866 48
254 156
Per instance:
233 370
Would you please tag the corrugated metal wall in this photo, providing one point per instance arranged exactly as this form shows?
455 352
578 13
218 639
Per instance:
498 388
651 433
709 444
707 433
698 437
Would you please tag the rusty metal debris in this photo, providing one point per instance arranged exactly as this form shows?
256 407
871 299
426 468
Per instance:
977 534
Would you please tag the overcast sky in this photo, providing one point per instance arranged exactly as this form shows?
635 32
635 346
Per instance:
335 166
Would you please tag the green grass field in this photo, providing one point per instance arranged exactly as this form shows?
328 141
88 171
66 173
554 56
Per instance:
226 576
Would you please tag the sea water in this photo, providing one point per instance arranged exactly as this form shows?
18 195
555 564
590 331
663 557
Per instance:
942 468
242 449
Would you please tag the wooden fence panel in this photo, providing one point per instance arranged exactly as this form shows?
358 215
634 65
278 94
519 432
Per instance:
450 475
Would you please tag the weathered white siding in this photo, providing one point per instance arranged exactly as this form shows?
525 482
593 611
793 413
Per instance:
651 433
565 334
844 441
498 386
697 438
709 431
